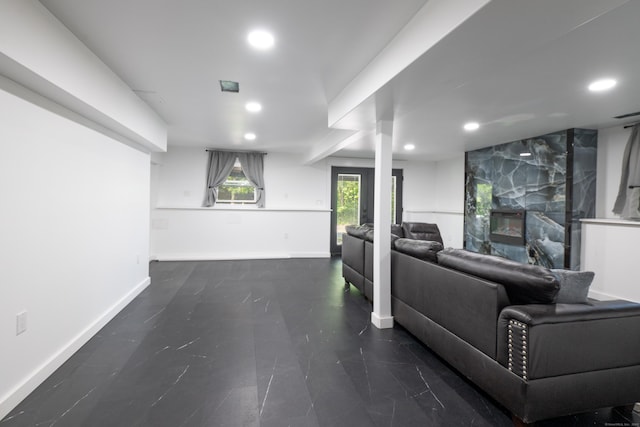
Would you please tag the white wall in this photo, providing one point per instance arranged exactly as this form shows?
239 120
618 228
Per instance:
294 223
441 199
607 242
182 176
74 224
419 187
609 250
209 234
296 218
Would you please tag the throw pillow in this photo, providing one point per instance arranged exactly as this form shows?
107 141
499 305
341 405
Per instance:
574 286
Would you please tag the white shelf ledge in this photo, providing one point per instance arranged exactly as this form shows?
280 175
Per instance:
238 209
611 221
435 212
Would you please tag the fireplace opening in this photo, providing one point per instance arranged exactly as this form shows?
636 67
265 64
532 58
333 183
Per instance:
507 226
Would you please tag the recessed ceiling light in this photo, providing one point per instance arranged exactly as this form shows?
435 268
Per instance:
261 39
409 147
253 106
250 136
602 85
471 126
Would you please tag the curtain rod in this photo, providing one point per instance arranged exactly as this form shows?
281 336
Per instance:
235 151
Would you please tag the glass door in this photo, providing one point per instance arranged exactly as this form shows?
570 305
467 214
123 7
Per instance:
352 200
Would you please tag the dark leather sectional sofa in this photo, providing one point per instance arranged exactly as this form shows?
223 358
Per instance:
357 250
497 323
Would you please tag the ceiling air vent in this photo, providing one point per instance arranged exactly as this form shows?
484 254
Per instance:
229 86
624 116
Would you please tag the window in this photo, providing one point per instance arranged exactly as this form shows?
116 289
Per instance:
348 208
236 189
483 199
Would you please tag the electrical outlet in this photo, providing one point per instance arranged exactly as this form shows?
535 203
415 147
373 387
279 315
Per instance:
21 322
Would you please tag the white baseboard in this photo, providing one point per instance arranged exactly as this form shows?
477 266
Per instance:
238 256
311 255
37 377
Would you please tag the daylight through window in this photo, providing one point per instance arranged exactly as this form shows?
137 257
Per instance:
483 199
236 189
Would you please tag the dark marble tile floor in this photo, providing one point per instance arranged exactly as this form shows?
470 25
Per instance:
270 343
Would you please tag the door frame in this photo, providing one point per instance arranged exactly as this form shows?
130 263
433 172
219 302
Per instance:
367 198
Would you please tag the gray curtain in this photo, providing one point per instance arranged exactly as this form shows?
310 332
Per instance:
253 168
219 167
627 203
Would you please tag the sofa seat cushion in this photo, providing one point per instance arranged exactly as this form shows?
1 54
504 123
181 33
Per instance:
524 283
423 249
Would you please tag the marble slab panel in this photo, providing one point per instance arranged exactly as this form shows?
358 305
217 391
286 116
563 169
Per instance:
532 175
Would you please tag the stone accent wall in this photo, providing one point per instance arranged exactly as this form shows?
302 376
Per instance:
555 184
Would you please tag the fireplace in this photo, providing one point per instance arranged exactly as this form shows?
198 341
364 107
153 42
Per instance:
507 226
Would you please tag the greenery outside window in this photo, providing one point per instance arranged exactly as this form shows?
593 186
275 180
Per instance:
483 199
348 189
236 189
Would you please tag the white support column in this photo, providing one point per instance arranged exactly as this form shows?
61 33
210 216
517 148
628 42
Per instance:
381 315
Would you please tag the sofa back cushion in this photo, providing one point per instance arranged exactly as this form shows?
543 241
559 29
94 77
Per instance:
465 305
358 231
524 283
422 249
365 231
421 231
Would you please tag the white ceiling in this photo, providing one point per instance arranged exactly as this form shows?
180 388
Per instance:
519 67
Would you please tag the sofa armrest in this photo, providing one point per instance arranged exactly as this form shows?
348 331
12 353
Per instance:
353 261
548 340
